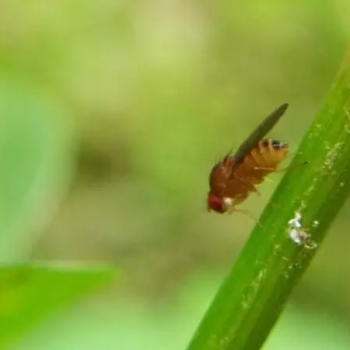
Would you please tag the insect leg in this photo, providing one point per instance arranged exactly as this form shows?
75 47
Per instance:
275 170
248 186
246 213
279 170
257 191
268 179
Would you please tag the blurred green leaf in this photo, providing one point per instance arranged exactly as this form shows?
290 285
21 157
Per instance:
36 151
35 163
102 324
32 293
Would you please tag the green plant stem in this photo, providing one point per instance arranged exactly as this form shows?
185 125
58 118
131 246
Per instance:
252 297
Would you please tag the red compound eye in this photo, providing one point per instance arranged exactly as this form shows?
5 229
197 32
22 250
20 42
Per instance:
215 203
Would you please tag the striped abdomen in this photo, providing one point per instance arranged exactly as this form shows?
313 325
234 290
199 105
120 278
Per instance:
262 160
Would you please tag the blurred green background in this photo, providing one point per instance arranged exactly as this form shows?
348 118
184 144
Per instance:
112 115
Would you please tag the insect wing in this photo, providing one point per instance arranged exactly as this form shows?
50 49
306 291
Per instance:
263 128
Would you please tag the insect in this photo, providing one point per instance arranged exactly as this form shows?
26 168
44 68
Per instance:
236 176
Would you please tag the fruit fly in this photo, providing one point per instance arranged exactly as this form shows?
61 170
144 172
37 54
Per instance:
233 178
